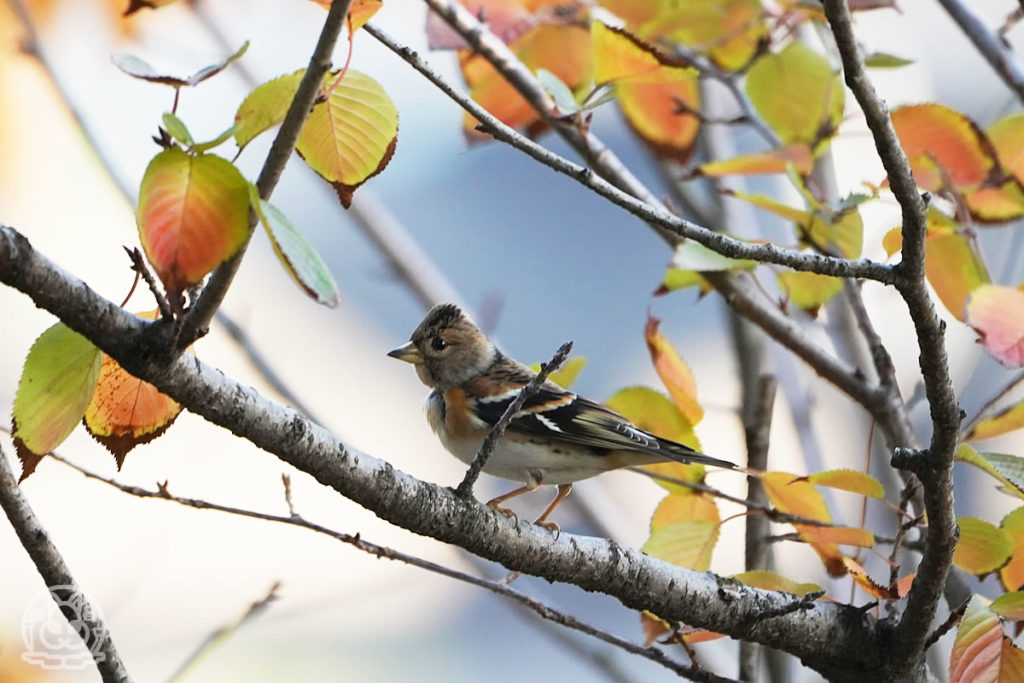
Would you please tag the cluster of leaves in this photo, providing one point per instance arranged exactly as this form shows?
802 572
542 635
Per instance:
649 57
193 215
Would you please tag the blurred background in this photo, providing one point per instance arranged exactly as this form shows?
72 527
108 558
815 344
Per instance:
535 257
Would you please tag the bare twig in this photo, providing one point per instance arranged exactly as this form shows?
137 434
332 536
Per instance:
991 404
139 266
224 632
992 48
465 488
379 551
197 320
650 211
57 577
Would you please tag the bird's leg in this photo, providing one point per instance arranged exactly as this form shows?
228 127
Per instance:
563 491
495 503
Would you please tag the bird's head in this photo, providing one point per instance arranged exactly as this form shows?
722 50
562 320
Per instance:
447 348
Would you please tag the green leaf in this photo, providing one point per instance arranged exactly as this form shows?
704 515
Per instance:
567 374
139 68
809 291
687 544
200 147
1007 469
797 93
177 129
297 255
884 60
265 107
692 255
559 91
983 547
57 383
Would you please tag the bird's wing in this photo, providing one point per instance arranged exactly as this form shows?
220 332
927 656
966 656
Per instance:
561 415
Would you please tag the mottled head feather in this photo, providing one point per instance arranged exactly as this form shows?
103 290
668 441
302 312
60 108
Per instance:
453 348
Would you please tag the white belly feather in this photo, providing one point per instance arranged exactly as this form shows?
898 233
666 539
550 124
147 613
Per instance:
521 458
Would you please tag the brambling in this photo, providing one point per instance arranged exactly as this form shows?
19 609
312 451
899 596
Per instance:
556 438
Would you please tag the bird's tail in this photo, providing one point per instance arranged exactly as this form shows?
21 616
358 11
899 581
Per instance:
684 454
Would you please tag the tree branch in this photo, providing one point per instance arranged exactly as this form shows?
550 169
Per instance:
827 637
936 468
197 320
990 45
646 207
57 576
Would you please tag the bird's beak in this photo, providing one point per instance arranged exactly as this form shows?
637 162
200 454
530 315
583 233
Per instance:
407 352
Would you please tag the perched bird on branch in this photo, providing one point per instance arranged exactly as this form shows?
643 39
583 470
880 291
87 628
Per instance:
557 437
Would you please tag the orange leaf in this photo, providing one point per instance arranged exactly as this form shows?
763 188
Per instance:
796 497
978 646
953 269
193 215
1007 420
796 155
562 50
1007 137
728 31
996 204
866 583
936 137
997 314
673 371
849 480
126 411
359 12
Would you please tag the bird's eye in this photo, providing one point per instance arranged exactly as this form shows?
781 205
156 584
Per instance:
439 344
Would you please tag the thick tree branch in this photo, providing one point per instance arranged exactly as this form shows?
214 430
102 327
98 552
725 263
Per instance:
835 640
197 321
360 543
57 576
935 470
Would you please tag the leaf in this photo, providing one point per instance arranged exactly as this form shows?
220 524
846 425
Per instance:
177 129
774 79
983 547
1007 138
893 241
953 270
728 31
1010 418
136 5
297 255
1007 469
936 137
673 371
842 232
655 413
996 204
1009 606
265 107
1011 574
796 155
352 136
686 544
849 480
139 68
567 374
683 507
997 314
867 584
692 255
773 581
57 381
791 495
884 60
658 95
558 90
807 290
193 215
126 411
564 50
798 216
978 646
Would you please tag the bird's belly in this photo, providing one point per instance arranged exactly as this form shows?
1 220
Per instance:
528 461
522 458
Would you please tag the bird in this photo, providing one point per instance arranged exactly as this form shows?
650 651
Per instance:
558 437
